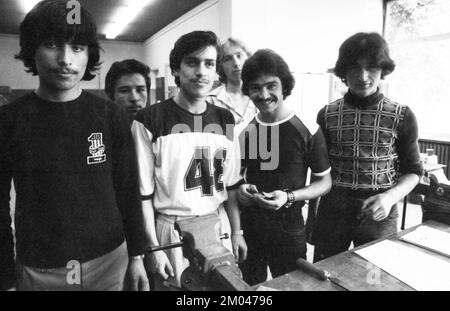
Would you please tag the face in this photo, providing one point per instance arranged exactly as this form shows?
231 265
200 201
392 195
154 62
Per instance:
61 66
232 62
131 92
363 79
266 92
197 72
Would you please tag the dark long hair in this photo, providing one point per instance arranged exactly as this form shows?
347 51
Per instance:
125 67
267 62
47 21
189 43
371 46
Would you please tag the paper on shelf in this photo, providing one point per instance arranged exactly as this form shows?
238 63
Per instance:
429 238
421 271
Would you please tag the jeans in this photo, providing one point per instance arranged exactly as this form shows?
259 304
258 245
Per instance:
337 223
274 239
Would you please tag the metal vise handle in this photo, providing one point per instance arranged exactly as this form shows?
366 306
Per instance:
177 244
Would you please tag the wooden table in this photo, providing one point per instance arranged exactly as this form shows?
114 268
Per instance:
352 271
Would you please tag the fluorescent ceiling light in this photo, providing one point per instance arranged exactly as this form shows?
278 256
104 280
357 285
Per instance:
27 5
123 16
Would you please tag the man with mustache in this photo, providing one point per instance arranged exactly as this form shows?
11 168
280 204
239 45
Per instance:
127 83
373 151
78 218
273 197
188 163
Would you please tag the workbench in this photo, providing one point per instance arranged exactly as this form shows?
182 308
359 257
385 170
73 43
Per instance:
351 270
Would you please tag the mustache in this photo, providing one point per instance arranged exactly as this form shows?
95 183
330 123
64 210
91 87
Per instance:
269 99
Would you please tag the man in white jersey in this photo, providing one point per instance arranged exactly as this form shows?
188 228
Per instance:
188 163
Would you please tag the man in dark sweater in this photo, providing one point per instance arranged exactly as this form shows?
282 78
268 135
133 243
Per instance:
72 160
373 151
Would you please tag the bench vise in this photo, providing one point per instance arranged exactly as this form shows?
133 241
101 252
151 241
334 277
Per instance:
211 265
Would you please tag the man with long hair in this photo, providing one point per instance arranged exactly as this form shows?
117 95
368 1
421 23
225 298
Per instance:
78 217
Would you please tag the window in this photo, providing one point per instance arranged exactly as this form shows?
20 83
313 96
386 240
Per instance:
418 34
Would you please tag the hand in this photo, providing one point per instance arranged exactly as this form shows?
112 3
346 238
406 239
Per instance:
377 207
246 194
158 263
239 247
136 276
271 200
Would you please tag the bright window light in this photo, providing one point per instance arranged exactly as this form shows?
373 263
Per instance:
123 16
27 5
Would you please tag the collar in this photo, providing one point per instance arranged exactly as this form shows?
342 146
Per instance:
285 119
223 96
363 101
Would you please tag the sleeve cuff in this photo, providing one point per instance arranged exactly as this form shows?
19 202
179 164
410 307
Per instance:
146 197
236 185
322 173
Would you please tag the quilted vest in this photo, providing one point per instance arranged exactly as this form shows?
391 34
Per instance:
362 143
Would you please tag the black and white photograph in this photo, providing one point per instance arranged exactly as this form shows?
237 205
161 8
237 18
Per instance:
208 147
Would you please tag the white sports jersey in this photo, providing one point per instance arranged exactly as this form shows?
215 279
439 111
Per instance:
186 161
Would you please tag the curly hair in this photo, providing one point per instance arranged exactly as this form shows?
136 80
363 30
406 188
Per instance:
366 45
125 67
189 43
229 42
47 21
267 62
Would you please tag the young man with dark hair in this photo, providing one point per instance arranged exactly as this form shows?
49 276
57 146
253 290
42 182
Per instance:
72 160
188 163
275 191
373 151
127 83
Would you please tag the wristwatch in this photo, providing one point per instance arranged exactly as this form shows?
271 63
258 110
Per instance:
290 199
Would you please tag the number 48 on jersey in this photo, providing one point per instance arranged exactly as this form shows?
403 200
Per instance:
199 174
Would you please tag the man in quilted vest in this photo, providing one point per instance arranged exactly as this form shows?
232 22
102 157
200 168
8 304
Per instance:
373 151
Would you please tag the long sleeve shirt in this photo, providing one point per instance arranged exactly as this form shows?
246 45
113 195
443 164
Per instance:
371 141
75 175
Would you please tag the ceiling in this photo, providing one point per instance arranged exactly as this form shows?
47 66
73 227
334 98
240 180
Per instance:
152 18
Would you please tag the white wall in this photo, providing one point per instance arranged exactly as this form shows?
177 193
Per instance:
12 71
13 74
114 51
307 33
